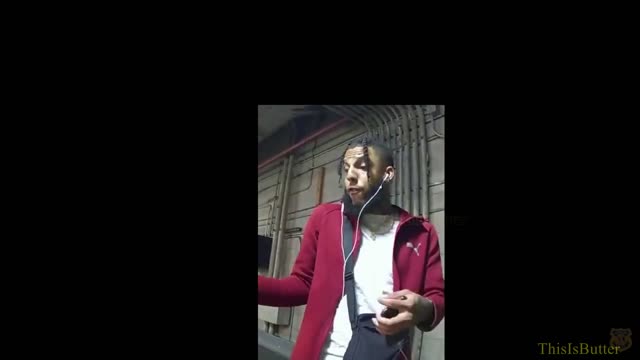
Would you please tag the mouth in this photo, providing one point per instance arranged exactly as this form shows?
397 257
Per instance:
353 191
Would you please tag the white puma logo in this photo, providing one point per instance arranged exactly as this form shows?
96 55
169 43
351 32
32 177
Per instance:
410 245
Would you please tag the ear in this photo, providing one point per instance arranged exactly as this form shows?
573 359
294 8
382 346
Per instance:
391 172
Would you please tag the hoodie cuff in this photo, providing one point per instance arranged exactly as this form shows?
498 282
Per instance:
429 325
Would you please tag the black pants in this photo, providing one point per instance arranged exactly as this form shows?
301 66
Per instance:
367 343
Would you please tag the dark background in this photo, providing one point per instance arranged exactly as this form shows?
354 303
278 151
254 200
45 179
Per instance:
541 226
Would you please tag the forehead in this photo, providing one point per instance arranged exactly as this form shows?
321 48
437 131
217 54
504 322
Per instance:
356 153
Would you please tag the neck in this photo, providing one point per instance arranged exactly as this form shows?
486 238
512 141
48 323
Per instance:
383 208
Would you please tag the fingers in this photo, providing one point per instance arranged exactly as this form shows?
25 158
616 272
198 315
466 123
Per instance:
400 305
383 329
400 318
403 300
393 325
398 294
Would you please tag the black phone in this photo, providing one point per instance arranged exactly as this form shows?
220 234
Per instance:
391 312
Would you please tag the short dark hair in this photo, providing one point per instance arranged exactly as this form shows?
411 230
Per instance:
384 153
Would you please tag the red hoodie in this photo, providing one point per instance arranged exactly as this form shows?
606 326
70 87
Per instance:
316 278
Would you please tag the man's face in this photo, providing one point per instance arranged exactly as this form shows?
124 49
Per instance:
356 184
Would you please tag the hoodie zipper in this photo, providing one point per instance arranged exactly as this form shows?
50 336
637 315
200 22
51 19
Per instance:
396 276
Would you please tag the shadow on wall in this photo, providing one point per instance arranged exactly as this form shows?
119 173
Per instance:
272 347
264 252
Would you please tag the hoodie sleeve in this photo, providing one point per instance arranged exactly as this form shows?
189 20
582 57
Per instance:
293 290
434 282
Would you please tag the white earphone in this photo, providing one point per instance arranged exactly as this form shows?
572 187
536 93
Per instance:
386 176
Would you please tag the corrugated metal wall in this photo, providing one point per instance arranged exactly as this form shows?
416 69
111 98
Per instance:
314 179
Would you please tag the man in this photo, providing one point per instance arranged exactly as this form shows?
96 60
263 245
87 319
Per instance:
398 264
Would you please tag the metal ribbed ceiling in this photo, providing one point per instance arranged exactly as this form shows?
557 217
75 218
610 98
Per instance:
373 118
273 117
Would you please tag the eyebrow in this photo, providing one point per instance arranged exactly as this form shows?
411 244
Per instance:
359 160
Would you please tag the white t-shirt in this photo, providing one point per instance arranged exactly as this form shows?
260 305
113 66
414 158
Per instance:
373 274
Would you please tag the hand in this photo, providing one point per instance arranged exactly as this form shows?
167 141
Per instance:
412 309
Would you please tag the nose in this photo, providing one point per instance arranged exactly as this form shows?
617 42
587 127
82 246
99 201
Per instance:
351 176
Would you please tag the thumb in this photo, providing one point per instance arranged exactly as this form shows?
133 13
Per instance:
396 295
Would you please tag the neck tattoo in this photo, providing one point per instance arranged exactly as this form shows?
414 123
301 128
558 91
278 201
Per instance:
377 224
